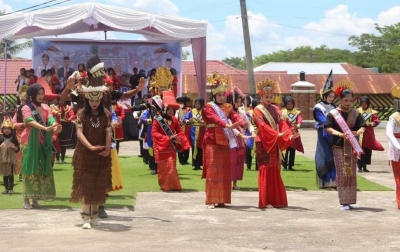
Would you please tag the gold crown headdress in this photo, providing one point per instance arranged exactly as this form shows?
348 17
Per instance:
7 124
277 99
266 86
94 93
98 70
162 80
395 92
217 83
22 89
342 85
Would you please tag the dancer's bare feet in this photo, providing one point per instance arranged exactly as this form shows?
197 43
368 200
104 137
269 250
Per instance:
211 206
270 206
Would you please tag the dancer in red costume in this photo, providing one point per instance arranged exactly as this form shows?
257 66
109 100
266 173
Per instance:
219 139
273 136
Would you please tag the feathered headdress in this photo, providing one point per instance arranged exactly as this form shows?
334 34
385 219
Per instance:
342 85
217 83
327 86
266 86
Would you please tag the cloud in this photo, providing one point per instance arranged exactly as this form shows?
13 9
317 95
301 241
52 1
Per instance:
165 7
6 7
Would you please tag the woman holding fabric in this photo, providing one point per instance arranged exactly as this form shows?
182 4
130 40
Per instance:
345 124
37 148
219 139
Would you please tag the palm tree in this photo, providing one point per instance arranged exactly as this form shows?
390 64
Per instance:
13 47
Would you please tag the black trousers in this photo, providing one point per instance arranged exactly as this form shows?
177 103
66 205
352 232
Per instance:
198 162
8 182
365 158
289 158
117 145
141 147
183 157
249 159
63 151
152 163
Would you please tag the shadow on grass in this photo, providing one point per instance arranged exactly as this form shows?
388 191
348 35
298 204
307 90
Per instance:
119 197
367 209
118 206
188 190
295 188
249 189
44 207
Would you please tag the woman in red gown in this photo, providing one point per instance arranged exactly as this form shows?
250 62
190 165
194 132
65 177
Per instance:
168 138
219 139
273 136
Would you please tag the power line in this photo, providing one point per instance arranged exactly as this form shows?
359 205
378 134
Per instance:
28 8
51 5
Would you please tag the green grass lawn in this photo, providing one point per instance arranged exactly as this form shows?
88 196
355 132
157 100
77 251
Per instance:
137 178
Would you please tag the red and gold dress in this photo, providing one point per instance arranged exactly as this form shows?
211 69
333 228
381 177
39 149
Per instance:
119 131
269 146
165 154
216 154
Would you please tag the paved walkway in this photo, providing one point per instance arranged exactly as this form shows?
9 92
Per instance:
181 222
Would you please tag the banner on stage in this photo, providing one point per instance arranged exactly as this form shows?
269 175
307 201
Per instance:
64 55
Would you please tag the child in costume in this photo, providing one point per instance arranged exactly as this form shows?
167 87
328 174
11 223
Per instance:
9 147
367 140
290 113
345 124
168 139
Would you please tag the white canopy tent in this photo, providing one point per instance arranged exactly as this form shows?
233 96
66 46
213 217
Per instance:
89 17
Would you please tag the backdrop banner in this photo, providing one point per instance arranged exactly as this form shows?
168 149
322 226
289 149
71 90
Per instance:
64 55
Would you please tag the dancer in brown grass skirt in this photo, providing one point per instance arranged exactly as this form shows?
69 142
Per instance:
92 160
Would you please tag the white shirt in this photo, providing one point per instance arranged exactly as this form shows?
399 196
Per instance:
394 144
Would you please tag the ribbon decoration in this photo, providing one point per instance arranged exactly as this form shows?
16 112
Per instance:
346 130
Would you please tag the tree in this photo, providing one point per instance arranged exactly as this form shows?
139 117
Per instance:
13 47
185 55
236 62
382 51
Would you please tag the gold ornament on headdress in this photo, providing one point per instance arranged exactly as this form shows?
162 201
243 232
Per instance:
266 86
277 99
162 80
94 93
22 89
395 92
23 96
98 70
342 85
7 124
217 83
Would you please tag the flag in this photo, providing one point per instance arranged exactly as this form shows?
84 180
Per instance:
328 83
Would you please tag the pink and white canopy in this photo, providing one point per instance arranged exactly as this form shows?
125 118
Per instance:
88 17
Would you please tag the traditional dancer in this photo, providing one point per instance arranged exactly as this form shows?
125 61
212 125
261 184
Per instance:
147 119
19 125
238 154
368 140
197 130
67 115
393 134
345 124
120 113
9 147
250 143
274 135
36 145
168 139
180 114
325 165
91 159
295 120
219 139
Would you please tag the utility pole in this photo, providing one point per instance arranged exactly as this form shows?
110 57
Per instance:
247 47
